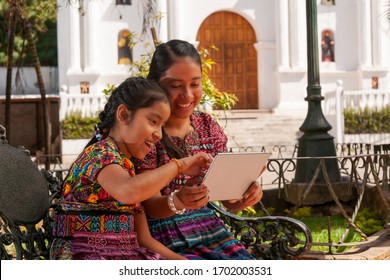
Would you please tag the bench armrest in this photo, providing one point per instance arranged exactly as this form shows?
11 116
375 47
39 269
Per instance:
269 237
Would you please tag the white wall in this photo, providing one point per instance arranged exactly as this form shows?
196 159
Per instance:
29 81
88 43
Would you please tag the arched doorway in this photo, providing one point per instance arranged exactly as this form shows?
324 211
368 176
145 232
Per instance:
236 68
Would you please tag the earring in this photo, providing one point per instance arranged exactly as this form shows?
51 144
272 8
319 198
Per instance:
98 132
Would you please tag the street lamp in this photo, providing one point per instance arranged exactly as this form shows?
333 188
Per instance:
315 141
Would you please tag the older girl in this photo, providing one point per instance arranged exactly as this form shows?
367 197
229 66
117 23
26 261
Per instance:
187 226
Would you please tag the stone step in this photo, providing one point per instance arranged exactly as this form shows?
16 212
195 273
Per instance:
259 128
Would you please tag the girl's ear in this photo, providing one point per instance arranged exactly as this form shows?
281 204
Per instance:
122 114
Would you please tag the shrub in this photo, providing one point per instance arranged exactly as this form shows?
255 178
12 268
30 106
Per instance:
301 212
77 127
369 221
367 120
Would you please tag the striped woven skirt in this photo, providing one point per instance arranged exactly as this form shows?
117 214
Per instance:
95 236
97 246
198 234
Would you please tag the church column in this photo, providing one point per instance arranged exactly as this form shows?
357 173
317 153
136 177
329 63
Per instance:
173 18
297 34
90 41
267 81
364 20
162 6
282 34
74 39
376 33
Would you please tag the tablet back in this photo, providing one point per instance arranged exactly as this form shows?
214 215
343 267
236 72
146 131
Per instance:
231 174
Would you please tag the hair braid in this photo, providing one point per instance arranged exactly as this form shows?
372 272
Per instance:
135 93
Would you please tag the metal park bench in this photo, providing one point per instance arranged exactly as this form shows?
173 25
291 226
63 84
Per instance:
28 198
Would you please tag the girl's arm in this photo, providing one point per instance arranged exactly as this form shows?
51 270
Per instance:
130 190
190 196
146 240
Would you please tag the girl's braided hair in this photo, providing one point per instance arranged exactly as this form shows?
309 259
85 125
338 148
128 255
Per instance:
135 93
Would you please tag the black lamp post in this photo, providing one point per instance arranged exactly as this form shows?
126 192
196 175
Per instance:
315 141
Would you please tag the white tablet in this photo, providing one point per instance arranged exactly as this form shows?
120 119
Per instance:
231 174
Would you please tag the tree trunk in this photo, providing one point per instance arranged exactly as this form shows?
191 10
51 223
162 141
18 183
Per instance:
22 13
11 40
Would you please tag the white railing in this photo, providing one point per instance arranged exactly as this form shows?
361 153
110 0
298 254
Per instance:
336 101
88 105
373 98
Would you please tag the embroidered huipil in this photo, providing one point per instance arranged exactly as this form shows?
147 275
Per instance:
90 224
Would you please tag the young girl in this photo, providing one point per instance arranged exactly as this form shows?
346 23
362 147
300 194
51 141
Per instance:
190 228
99 213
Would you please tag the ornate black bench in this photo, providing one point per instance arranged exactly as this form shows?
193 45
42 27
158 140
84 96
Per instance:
28 198
268 237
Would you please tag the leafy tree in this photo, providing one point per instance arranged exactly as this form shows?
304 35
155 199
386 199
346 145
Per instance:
43 18
27 18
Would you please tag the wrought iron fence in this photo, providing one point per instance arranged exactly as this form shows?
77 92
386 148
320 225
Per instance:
362 167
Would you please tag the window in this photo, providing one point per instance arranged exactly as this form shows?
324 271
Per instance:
374 82
328 2
327 46
84 87
123 2
125 51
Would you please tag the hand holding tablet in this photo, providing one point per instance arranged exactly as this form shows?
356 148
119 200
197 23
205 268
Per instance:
230 174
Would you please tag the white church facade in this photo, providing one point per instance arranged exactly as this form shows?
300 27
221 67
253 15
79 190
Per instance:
261 57
262 45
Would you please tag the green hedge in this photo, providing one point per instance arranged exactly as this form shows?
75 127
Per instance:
76 127
355 122
367 120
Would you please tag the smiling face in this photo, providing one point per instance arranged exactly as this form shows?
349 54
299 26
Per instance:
139 131
183 81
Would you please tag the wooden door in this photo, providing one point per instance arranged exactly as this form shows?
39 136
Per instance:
236 59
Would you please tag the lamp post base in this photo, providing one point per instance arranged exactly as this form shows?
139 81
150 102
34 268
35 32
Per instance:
316 146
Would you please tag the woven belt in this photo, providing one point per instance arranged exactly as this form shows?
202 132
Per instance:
64 225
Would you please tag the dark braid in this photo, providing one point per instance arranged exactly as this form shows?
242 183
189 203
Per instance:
164 57
135 93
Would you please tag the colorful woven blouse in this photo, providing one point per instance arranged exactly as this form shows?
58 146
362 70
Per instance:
84 205
93 224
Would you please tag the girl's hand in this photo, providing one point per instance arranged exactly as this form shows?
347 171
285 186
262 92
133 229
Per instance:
196 165
252 196
192 196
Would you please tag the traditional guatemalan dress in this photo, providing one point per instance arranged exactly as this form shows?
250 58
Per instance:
197 234
90 224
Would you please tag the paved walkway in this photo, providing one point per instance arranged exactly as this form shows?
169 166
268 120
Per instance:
378 248
258 128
